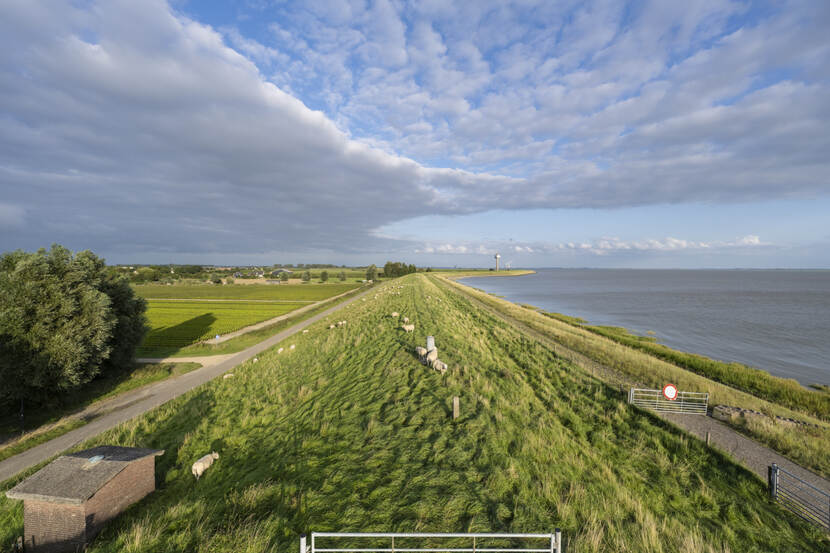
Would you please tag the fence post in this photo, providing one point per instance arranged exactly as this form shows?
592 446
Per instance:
773 481
631 395
456 407
302 543
558 541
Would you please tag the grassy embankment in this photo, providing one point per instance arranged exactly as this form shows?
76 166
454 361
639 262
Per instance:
466 273
48 422
809 446
783 391
248 339
350 432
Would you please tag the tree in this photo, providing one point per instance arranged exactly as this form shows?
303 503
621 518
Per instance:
371 272
342 276
215 278
306 276
324 276
64 319
284 277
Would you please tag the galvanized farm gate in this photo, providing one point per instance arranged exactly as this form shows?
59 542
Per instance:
544 543
692 403
796 495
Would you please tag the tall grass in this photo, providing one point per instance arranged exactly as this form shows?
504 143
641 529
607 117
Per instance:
634 367
349 432
784 391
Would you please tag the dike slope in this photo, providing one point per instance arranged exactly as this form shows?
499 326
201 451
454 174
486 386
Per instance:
349 432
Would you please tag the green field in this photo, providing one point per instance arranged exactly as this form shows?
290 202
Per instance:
180 323
278 292
348 432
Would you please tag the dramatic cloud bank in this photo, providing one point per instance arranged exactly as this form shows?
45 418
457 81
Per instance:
133 127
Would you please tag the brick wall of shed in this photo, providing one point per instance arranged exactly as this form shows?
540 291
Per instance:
53 527
130 485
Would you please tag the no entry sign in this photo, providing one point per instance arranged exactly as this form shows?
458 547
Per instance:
670 392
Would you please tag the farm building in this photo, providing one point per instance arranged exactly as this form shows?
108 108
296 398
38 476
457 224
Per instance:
66 503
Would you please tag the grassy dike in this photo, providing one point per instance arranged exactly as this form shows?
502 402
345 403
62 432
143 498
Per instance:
807 445
349 432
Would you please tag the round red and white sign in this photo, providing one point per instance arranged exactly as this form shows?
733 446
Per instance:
670 392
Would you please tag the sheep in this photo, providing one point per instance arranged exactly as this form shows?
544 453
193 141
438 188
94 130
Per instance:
439 366
229 375
305 331
422 352
395 313
280 350
331 326
406 320
431 356
292 346
200 466
256 359
408 328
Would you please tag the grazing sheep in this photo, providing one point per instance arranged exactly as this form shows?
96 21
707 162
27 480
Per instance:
422 352
256 359
395 313
432 355
229 375
331 326
406 320
408 328
305 331
280 350
200 466
292 346
439 366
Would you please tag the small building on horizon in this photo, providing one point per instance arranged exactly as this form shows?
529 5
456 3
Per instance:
67 502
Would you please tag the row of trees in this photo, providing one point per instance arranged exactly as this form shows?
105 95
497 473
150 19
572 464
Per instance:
64 319
394 269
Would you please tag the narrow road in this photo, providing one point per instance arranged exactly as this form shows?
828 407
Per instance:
142 400
753 455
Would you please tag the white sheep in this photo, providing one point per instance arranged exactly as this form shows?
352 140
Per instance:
395 313
229 375
406 320
431 356
256 359
305 331
331 326
200 466
422 353
408 328
292 346
439 366
280 350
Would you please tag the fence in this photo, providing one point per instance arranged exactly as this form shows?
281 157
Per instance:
692 403
796 495
552 542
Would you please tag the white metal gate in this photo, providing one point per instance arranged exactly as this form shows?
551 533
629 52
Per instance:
692 403
476 543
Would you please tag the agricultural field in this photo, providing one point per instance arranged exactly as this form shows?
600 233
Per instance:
181 323
275 292
349 432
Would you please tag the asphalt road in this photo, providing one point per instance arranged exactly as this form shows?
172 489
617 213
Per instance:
142 400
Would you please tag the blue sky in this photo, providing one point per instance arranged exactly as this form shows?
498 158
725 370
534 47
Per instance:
608 134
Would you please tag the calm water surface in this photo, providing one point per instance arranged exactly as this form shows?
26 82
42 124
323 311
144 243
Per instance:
776 320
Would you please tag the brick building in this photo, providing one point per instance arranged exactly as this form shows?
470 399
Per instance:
66 503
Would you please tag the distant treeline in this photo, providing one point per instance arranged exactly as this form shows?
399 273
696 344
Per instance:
394 269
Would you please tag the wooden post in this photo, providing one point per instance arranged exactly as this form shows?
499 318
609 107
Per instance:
302 543
708 437
456 407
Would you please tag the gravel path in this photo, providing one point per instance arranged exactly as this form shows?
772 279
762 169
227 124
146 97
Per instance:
137 402
753 455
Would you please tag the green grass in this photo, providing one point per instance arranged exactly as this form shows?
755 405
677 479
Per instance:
350 432
633 367
181 323
783 391
247 339
48 422
284 292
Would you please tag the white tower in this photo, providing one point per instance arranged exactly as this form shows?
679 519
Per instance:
497 257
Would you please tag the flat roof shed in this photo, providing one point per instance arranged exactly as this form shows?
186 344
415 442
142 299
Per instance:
67 502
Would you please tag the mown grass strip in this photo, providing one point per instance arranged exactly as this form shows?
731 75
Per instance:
349 432
297 292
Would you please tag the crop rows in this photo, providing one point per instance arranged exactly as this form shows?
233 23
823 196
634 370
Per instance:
177 324
291 292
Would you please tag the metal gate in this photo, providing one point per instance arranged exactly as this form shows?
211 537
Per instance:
475 543
796 495
692 403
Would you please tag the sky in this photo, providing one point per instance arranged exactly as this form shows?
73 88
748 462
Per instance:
558 134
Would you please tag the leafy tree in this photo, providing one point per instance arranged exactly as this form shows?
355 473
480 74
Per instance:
216 278
284 277
306 276
341 275
324 276
63 320
371 272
